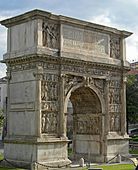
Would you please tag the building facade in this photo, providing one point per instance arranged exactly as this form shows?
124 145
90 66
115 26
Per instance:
52 60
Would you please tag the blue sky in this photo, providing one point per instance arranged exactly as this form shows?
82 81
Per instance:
121 14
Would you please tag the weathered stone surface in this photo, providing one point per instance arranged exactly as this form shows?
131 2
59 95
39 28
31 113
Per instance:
51 59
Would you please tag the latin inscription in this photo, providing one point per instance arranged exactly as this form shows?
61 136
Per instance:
85 41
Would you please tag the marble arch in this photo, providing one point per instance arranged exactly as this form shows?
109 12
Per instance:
48 57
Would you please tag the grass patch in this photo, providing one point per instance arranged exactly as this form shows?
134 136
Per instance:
135 151
117 167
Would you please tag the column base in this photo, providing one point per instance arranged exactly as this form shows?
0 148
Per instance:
36 154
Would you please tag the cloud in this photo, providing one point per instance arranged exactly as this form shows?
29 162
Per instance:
131 42
2 70
121 14
103 19
3 41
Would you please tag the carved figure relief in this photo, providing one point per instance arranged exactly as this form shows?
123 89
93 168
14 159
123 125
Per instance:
114 96
85 69
49 103
115 122
71 80
115 47
49 87
44 91
50 106
50 34
88 125
49 122
114 104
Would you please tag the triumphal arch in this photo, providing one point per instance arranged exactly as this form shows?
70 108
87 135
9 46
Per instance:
50 60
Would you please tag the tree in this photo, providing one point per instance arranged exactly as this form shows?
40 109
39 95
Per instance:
132 98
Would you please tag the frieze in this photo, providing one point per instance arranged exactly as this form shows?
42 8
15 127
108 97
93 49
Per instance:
84 70
25 66
50 66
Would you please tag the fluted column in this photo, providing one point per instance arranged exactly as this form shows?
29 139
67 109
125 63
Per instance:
107 116
8 102
38 77
123 107
62 119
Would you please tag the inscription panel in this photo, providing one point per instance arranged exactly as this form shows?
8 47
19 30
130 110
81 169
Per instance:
87 42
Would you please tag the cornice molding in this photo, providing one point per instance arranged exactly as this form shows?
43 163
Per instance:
62 61
40 14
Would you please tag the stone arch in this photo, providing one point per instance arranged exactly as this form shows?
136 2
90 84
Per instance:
92 87
87 127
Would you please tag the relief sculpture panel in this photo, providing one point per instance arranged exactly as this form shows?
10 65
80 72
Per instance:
115 47
49 122
49 103
88 124
50 35
114 104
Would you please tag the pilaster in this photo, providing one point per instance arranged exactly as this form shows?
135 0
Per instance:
107 116
38 77
123 108
62 114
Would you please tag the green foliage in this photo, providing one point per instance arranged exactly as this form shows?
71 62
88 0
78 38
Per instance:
135 152
132 98
1 118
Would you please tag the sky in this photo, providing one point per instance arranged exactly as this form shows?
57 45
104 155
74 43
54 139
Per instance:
121 14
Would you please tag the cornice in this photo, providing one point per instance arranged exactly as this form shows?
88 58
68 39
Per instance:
40 14
62 61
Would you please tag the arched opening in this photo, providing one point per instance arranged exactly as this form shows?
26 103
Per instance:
86 123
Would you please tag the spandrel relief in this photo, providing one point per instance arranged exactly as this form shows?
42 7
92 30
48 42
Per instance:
49 122
71 81
50 35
